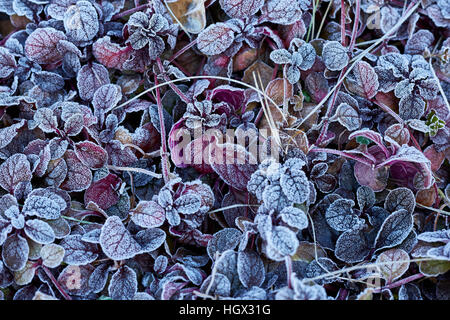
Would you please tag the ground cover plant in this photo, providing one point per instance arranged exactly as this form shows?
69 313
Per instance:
229 149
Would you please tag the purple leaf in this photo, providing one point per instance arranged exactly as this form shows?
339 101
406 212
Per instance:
148 214
41 45
15 252
13 171
250 269
81 22
241 8
90 78
215 39
78 175
39 231
116 241
123 285
283 12
78 252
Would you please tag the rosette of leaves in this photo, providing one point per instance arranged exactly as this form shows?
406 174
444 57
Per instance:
411 79
201 114
244 26
145 30
280 186
300 56
31 222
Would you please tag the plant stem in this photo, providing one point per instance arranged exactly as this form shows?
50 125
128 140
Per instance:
164 154
400 282
183 50
129 11
171 85
56 283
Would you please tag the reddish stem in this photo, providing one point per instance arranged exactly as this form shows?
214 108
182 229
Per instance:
343 39
56 283
171 85
183 50
129 11
400 282
164 158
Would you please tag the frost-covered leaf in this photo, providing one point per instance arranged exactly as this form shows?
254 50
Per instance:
188 203
25 276
352 246
215 39
39 231
116 241
41 45
233 163
320 267
148 214
283 12
409 291
13 171
400 198
45 119
78 175
274 198
91 154
15 252
78 252
90 78
281 56
99 277
335 55
284 240
52 255
110 54
48 81
74 279
294 217
7 63
340 215
225 239
241 8
419 41
250 269
295 186
41 207
411 106
348 117
395 62
81 21
151 239
105 99
227 265
394 229
365 197
7 134
74 125
363 80
123 285
393 264
221 285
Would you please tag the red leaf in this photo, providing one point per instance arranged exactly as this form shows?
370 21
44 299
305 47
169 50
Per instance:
363 80
103 192
79 176
110 54
91 154
40 46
